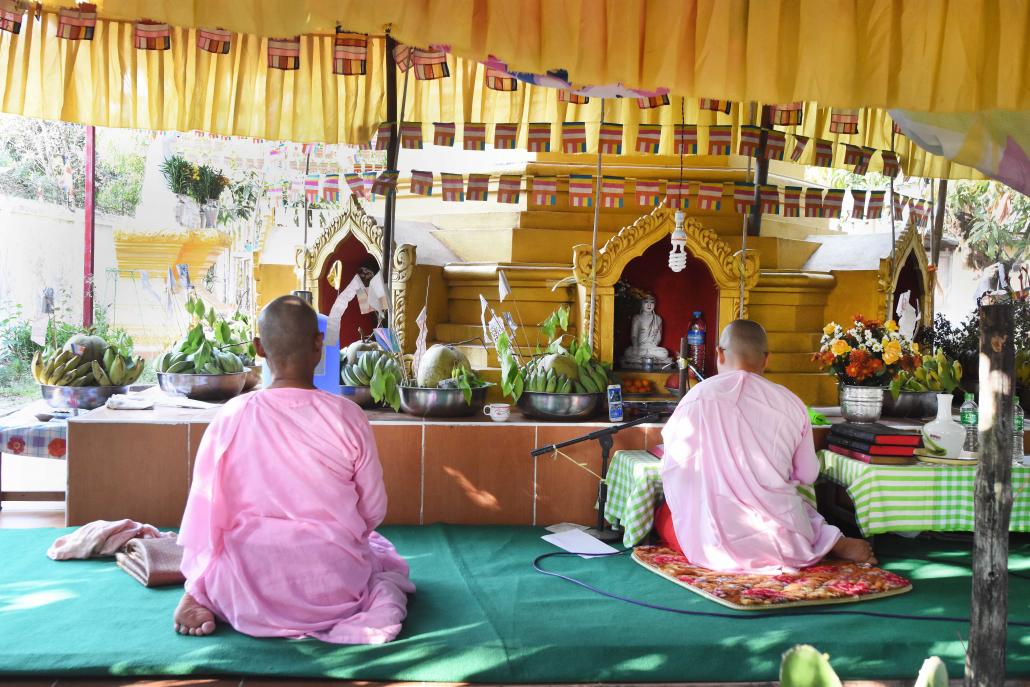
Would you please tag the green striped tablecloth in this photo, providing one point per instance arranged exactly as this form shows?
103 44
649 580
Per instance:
634 486
918 498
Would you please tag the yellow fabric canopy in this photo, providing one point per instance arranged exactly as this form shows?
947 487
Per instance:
928 55
109 82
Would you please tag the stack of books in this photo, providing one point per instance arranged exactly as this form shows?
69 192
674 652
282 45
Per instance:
874 443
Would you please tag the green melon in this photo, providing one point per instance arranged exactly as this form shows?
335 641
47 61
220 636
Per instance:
562 364
438 363
89 347
354 350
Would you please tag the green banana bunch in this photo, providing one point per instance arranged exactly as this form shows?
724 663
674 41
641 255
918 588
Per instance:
592 379
64 368
366 367
1023 367
208 360
937 374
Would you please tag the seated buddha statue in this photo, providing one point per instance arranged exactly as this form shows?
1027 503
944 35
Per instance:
646 333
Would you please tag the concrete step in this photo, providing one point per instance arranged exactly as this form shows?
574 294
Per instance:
450 332
468 310
477 245
801 318
792 362
793 341
813 388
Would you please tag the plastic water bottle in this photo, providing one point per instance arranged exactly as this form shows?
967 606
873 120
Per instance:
969 416
1017 431
696 341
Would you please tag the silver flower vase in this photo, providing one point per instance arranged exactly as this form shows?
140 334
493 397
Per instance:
861 403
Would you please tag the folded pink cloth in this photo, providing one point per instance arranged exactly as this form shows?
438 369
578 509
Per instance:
101 538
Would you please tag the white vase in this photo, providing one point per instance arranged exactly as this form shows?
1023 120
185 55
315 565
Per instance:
944 432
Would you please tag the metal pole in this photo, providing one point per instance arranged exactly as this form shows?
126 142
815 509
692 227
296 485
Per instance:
392 152
593 241
307 221
754 224
894 241
89 258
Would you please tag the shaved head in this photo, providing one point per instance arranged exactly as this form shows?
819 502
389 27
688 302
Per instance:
287 330
743 346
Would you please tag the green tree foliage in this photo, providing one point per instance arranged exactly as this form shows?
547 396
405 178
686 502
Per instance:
993 220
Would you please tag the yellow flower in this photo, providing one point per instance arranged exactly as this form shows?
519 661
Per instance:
915 347
891 352
840 347
891 326
829 329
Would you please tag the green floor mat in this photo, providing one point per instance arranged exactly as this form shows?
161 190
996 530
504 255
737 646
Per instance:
482 614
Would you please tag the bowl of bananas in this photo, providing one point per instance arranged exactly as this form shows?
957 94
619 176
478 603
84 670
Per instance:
203 373
913 393
84 373
361 363
558 386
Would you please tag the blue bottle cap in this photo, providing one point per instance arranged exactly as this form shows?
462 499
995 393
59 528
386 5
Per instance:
697 313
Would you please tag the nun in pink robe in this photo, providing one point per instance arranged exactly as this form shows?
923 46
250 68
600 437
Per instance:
278 534
736 450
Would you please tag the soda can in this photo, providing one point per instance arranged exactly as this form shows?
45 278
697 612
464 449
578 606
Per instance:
614 403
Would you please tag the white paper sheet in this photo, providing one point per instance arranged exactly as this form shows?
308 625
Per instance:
579 542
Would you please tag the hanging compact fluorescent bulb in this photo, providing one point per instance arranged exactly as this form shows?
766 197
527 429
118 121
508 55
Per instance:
678 254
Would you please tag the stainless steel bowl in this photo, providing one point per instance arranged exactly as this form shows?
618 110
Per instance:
362 395
79 397
253 377
910 404
203 387
559 406
424 402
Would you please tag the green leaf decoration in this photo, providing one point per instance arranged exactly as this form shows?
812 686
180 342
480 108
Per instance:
803 666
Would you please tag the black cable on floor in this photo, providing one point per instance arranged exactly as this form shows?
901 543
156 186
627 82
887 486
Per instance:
751 615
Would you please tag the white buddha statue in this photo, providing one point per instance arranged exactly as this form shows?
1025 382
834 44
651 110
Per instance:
646 332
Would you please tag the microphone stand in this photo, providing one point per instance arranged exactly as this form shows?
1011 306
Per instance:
605 440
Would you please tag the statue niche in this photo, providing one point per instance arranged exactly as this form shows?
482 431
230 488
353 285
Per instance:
644 351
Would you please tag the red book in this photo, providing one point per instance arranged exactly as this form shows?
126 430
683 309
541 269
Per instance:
871 449
872 460
875 433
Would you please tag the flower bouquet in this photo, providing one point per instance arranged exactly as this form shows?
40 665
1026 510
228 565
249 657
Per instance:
864 359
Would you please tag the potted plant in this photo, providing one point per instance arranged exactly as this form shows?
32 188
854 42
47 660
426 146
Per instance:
913 393
178 174
864 358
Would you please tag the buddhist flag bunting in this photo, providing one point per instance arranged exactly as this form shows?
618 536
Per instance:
750 136
453 187
509 188
898 206
791 201
368 180
652 101
676 193
350 53
497 80
800 143
421 183
823 153
924 210
545 190
709 196
788 115
355 184
876 199
479 187
311 188
411 135
770 196
843 121
581 190
863 163
743 197
684 141
402 56
308 149
720 140
609 138
443 134
429 64
813 202
891 164
383 135
612 191
852 154
385 182
858 209
573 137
896 129
648 192
11 16
775 144
474 137
284 53
567 96
715 105
331 188
77 24
505 136
152 36
214 41
833 201
649 138
538 137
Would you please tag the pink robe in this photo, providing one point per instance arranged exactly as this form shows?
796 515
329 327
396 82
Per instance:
736 449
278 533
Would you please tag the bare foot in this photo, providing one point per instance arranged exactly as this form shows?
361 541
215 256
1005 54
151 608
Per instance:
854 550
193 619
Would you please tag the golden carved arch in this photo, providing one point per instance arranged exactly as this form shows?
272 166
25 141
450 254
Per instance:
354 221
910 243
724 264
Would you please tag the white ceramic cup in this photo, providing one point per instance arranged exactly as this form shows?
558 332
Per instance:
498 412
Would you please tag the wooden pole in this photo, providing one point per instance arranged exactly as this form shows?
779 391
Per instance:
684 371
392 151
754 225
985 659
89 258
938 221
